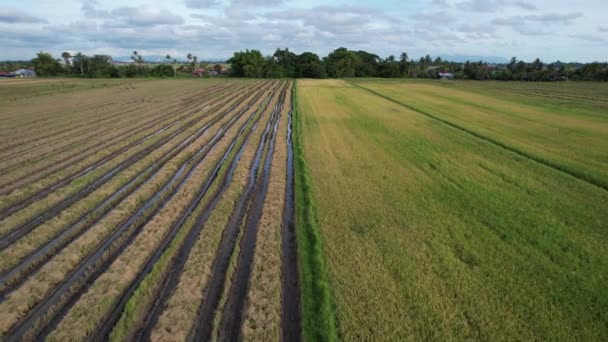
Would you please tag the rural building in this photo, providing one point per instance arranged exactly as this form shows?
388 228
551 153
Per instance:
198 72
445 75
25 73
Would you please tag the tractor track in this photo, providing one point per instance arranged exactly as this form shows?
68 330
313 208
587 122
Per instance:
179 260
142 115
23 229
49 310
34 174
201 330
58 134
100 103
232 315
12 278
41 193
290 312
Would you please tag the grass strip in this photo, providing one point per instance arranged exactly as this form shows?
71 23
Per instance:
318 319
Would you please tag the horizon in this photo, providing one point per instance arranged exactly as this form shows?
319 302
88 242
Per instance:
214 29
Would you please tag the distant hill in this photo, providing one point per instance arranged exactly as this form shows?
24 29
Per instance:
464 58
160 58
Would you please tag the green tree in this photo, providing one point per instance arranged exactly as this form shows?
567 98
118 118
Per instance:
79 61
138 60
66 58
309 65
342 63
46 65
247 64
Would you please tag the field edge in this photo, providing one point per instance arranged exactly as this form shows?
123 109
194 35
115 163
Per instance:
318 319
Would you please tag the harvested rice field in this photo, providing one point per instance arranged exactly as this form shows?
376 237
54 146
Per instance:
146 210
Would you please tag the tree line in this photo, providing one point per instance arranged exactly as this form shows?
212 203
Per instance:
347 63
102 66
337 64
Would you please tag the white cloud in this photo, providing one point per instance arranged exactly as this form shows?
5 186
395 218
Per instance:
14 16
146 16
216 28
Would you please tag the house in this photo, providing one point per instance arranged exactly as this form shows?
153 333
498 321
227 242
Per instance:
198 72
445 76
25 73
6 74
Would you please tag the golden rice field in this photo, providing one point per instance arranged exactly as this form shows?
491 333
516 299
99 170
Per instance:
460 210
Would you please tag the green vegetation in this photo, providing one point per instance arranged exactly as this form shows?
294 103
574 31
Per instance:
318 322
340 63
566 135
347 63
432 233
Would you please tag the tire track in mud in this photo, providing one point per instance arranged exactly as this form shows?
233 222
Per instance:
34 176
25 228
33 261
59 135
201 330
290 311
49 311
177 264
232 315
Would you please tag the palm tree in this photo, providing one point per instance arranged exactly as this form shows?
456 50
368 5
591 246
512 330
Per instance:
189 58
194 59
66 58
81 59
168 59
135 57
403 57
138 59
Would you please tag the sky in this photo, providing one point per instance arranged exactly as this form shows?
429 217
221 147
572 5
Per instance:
566 30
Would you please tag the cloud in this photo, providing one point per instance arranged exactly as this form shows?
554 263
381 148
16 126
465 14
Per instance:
587 37
528 25
13 16
89 10
333 19
494 5
555 17
220 27
257 3
146 16
525 5
442 16
201 3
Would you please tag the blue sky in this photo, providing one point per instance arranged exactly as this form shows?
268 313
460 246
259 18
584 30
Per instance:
213 29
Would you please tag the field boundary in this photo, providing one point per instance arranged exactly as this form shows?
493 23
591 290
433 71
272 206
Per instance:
547 163
318 319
